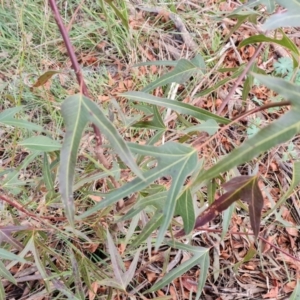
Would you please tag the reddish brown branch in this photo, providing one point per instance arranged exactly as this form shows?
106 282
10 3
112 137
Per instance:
75 64
19 207
239 80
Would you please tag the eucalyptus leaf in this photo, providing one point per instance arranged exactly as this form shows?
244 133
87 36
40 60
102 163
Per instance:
77 111
273 134
180 107
41 143
200 254
173 159
182 72
290 18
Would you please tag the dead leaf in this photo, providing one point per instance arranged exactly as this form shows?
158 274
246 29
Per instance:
189 284
44 78
151 276
93 290
273 293
289 287
242 187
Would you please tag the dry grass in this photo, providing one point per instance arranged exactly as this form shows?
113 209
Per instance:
32 218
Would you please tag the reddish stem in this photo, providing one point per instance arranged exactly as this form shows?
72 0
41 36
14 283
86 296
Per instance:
239 80
75 64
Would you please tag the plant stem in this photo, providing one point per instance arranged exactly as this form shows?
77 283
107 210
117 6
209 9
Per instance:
239 80
75 64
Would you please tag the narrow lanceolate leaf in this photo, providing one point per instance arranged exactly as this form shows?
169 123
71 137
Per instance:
115 261
185 209
4 254
286 89
4 273
253 196
129 274
157 123
284 41
75 122
77 111
296 293
10 112
241 187
290 18
44 78
7 118
97 117
204 266
173 159
150 227
214 209
275 133
158 200
41 143
180 107
210 126
199 253
181 73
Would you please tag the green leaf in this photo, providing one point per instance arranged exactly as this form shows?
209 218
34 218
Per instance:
185 209
48 180
6 117
275 133
123 19
260 38
158 200
226 219
173 159
286 89
22 124
199 62
199 255
210 126
41 143
237 72
169 63
290 18
153 224
157 122
181 73
242 187
77 111
4 254
2 290
6 274
10 112
180 107
204 266
270 4
249 255
296 293
116 260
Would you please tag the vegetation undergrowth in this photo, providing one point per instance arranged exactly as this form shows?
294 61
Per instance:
148 152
